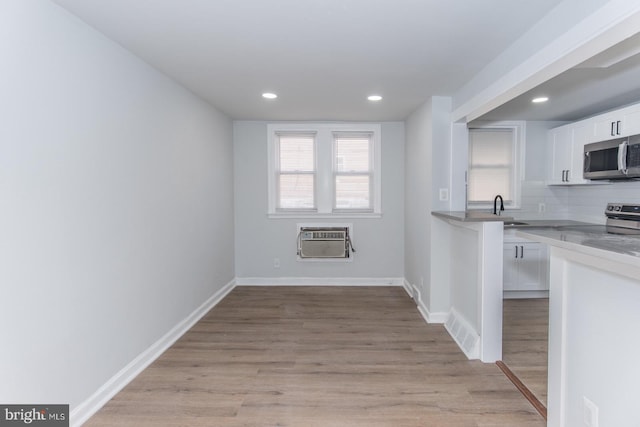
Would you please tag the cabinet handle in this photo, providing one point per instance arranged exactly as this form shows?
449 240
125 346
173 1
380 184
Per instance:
618 127
563 175
568 170
516 251
613 124
521 251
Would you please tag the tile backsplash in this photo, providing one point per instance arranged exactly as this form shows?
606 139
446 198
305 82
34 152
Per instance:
536 192
587 203
581 203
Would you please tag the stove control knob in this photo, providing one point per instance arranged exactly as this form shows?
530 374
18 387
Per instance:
618 208
609 208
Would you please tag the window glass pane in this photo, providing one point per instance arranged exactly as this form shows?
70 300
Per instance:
485 184
494 147
296 191
296 153
352 154
352 192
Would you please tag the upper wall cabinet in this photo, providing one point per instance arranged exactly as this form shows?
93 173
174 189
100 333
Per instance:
565 153
565 147
616 124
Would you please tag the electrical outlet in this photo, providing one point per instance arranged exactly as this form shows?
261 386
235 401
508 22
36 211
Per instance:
276 263
444 194
590 413
542 207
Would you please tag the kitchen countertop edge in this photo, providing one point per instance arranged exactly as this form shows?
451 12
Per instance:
470 216
555 238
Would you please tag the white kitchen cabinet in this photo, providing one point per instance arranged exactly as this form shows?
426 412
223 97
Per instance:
559 154
565 151
616 124
525 265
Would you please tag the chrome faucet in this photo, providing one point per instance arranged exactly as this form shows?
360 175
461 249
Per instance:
495 202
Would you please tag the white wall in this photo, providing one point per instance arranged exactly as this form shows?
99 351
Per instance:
427 169
379 242
117 205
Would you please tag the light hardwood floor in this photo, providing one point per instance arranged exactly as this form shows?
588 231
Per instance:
525 336
317 356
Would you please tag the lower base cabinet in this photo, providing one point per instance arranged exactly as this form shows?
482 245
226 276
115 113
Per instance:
525 265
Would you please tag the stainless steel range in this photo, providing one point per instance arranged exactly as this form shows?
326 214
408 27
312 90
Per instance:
623 218
623 215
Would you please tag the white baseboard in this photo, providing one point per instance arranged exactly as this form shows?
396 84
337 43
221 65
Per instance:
525 294
463 334
408 288
428 317
81 413
319 281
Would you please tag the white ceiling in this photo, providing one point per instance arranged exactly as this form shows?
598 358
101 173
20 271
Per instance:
322 57
605 82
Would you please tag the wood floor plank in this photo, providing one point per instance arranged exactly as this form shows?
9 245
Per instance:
317 356
525 342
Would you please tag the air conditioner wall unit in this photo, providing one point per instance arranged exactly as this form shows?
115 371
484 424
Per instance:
324 242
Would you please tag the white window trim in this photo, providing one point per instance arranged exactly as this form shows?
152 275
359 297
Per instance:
519 132
277 172
370 173
324 169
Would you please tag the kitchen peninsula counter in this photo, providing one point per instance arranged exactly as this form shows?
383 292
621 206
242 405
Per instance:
594 297
470 216
590 240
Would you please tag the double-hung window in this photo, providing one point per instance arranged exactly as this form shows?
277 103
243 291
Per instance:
495 164
324 169
352 171
296 171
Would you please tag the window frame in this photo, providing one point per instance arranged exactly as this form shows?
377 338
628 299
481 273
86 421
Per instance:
519 131
325 166
370 172
279 173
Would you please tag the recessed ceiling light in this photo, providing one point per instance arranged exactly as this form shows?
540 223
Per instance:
269 95
540 99
374 98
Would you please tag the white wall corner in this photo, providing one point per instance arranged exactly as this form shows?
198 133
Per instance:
429 317
81 413
409 289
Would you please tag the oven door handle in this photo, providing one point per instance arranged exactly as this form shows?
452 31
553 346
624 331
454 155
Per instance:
622 157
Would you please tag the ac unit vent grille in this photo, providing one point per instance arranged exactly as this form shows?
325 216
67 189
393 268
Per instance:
326 242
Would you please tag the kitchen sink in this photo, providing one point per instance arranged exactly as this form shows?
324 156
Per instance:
514 223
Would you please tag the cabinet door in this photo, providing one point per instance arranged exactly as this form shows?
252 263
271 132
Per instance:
510 267
533 267
607 126
580 137
559 150
631 121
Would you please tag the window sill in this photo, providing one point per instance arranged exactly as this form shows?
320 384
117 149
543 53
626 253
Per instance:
314 215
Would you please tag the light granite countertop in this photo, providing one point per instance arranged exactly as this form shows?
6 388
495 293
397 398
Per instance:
583 237
594 240
470 216
510 222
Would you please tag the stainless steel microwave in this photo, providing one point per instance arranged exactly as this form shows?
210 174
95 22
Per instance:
613 159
